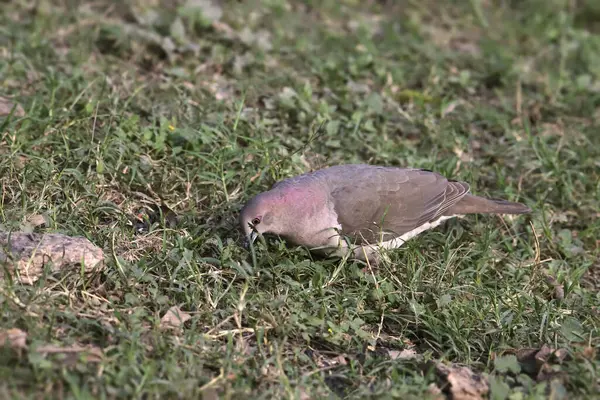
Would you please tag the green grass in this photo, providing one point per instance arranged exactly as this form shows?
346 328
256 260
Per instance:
143 106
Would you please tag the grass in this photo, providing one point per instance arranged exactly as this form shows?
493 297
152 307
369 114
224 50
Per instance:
181 113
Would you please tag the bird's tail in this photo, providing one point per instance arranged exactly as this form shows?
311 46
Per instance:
471 204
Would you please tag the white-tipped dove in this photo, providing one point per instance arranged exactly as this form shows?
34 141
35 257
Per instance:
362 208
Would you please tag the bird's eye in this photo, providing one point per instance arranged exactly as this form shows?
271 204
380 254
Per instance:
255 221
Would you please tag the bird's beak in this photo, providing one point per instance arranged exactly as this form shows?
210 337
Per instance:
251 238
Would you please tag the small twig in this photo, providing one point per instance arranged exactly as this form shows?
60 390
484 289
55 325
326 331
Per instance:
507 228
286 380
220 324
380 325
51 349
370 268
212 382
17 302
537 244
115 257
559 292
318 133
519 99
536 260
237 331
316 371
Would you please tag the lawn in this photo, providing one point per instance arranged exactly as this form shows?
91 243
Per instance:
145 125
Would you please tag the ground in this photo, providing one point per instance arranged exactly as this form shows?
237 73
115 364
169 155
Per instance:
145 126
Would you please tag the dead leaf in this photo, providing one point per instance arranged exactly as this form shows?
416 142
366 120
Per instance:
14 338
28 253
174 318
589 353
6 106
559 292
341 360
450 107
464 383
405 354
36 220
536 362
255 176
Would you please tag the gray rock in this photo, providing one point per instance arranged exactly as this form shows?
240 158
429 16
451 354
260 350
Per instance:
26 254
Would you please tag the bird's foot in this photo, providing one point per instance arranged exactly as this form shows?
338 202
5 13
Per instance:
370 255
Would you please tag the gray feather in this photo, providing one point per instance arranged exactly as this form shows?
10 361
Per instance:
381 203
376 203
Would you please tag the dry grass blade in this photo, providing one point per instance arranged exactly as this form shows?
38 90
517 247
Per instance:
93 354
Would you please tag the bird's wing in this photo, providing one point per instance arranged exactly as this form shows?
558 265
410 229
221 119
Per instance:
381 203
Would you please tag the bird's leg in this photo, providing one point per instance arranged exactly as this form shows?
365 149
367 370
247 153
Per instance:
341 246
369 254
339 243
336 245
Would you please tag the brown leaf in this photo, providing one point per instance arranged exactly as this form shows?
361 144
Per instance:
341 360
543 354
174 318
464 383
589 352
450 107
256 176
560 355
536 362
528 359
36 220
559 292
6 106
405 354
13 338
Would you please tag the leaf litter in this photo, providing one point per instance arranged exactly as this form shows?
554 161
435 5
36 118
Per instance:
174 318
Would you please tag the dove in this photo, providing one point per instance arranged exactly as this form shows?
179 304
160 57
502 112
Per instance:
356 210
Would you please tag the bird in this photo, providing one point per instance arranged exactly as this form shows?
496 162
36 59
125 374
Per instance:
357 210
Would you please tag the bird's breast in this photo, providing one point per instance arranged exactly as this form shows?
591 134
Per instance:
317 227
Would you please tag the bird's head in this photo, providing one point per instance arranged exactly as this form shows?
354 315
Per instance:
260 216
